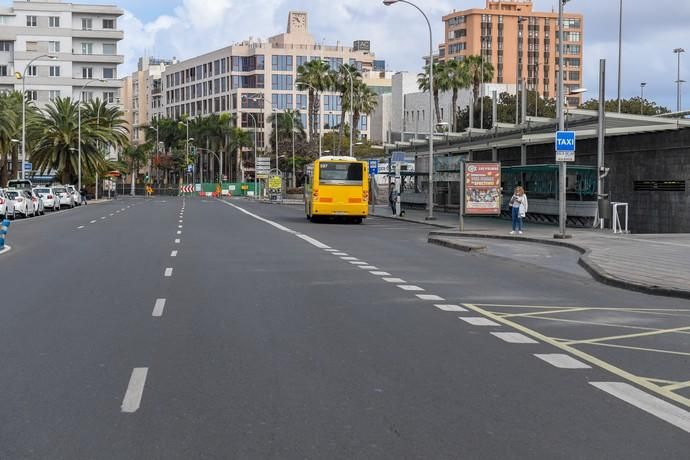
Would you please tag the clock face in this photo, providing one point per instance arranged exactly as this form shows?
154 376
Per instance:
299 21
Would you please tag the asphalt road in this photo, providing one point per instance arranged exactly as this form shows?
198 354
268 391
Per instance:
260 335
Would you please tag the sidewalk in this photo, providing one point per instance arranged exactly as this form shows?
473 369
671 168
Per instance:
654 264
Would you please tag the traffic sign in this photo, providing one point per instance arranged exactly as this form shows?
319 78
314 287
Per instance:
397 156
28 166
373 166
565 146
190 168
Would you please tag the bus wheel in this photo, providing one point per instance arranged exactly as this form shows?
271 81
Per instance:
357 220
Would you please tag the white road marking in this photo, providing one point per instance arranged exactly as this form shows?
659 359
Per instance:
311 241
563 361
80 227
380 273
177 241
111 214
394 280
179 226
513 337
117 212
102 217
339 253
349 258
173 254
168 271
368 267
648 403
430 297
92 222
357 262
330 250
179 221
158 308
409 287
179 232
446 307
135 390
479 321
122 209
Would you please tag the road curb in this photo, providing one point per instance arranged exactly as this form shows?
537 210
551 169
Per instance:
594 270
453 245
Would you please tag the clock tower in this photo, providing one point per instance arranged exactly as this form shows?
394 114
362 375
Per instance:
297 22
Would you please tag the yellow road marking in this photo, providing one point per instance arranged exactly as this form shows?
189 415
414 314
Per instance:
547 312
630 347
586 357
668 382
639 328
677 386
545 307
628 336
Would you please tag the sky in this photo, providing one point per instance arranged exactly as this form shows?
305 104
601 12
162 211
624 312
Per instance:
186 28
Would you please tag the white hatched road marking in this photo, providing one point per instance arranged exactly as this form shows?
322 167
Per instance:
158 308
368 267
479 321
446 307
168 271
648 403
80 227
430 297
92 222
349 258
173 254
135 390
380 273
357 262
394 280
409 287
563 361
330 250
513 337
339 253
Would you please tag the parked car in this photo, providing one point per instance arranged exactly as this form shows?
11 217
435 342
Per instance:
6 206
23 204
75 193
38 203
64 197
49 198
19 184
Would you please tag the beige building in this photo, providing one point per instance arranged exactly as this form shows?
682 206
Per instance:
520 43
234 79
142 96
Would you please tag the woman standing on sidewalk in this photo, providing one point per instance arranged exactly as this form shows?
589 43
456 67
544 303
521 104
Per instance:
518 209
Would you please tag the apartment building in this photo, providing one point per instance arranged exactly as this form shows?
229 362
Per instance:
520 43
142 94
80 39
238 78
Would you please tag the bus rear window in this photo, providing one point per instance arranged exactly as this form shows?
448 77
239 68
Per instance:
340 173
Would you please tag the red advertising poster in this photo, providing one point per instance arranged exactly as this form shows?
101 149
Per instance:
482 188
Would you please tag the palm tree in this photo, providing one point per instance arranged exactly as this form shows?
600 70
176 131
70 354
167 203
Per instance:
474 72
341 83
315 77
10 128
238 139
454 77
134 156
423 83
365 102
287 121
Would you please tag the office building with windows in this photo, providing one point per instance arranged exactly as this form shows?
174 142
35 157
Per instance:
239 78
81 38
522 44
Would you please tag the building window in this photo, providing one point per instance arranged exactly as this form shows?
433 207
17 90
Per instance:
302 102
109 73
31 21
87 72
282 101
109 97
32 71
331 120
86 24
54 70
108 23
5 46
301 60
53 47
54 21
3 70
332 102
282 82
110 49
87 48
53 95
282 63
31 95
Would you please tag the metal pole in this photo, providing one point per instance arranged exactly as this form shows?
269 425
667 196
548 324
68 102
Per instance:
23 122
601 135
517 72
292 122
79 150
186 153
536 89
494 109
462 196
561 126
620 52
352 112
642 85
678 51
524 100
481 91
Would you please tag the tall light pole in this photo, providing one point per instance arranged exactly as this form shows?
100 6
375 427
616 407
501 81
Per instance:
430 205
81 91
518 79
481 91
561 126
256 127
186 153
352 109
679 51
22 77
620 51
642 85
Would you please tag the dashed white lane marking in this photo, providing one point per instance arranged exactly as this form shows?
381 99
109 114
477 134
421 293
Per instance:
479 321
394 280
375 273
339 253
122 209
80 227
128 207
177 241
92 222
349 258
179 232
563 361
168 271
408 287
311 240
179 226
173 254
102 217
135 390
117 212
179 221
648 403
431 297
357 262
158 308
111 214
446 307
513 337
368 267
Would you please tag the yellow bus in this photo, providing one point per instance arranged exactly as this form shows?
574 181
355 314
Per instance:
337 186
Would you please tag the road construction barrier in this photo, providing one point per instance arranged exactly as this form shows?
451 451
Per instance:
4 228
186 188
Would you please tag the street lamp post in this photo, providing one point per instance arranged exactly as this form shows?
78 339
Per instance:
620 51
81 91
186 153
679 51
256 127
430 205
642 85
22 77
518 79
481 91
352 108
561 127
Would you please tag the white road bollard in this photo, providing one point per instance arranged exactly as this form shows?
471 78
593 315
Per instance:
3 232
